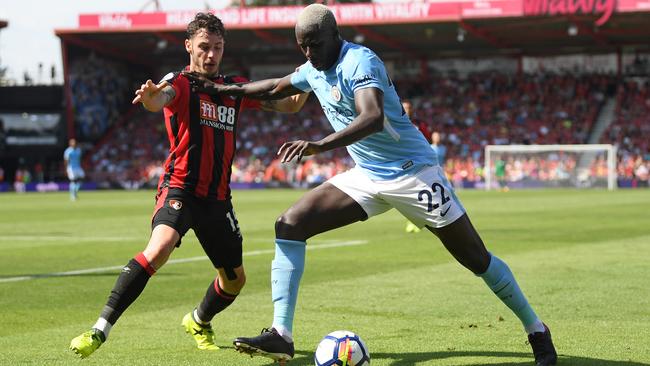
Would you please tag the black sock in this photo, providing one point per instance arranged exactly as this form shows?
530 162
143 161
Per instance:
214 301
128 287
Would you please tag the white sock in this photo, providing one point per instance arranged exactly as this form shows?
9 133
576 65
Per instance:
284 332
195 315
536 327
103 325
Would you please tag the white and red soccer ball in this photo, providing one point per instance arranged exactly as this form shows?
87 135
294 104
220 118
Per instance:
342 348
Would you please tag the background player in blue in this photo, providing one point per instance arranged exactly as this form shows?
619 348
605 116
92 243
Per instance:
72 159
438 148
395 168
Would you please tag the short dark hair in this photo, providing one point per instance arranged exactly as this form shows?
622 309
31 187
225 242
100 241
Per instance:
207 21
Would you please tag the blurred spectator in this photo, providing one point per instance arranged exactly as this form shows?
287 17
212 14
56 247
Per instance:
39 173
423 126
642 173
21 179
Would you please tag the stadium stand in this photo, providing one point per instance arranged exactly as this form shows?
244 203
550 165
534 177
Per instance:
461 75
99 92
132 156
484 108
631 129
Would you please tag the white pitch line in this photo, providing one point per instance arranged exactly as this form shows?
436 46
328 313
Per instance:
65 240
177 261
59 238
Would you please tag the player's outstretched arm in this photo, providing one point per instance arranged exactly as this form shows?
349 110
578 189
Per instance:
292 104
269 89
154 97
369 103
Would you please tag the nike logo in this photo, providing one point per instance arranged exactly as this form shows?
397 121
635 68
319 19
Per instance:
443 213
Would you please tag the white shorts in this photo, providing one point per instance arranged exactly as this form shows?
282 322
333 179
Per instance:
425 198
75 173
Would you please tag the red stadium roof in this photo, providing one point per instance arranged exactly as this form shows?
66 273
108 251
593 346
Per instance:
444 28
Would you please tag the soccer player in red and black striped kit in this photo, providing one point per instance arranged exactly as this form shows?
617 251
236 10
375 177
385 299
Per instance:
194 192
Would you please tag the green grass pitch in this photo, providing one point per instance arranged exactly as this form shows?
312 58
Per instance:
581 257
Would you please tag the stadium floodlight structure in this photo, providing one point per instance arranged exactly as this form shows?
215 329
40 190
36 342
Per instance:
542 166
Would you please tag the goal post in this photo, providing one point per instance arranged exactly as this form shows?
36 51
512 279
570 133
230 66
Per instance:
542 166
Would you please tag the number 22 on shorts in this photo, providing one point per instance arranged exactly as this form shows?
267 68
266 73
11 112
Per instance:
429 197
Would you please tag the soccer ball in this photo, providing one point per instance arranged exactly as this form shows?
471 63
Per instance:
342 348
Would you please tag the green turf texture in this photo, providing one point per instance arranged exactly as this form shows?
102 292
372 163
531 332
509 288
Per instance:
581 257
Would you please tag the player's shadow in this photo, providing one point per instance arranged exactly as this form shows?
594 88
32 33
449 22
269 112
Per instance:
412 359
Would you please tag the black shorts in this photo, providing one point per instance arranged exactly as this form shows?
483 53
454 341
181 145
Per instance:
213 222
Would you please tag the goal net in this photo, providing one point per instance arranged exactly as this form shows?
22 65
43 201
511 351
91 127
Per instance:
542 166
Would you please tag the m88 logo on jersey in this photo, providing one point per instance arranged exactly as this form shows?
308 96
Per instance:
218 113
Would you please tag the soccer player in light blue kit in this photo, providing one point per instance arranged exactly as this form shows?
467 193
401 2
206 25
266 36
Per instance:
72 159
395 168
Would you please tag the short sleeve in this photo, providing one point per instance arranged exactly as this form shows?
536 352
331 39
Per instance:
181 88
299 77
368 73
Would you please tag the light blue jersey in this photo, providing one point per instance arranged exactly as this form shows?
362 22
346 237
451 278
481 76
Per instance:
73 157
397 150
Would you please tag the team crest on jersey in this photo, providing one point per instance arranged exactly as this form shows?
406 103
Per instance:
176 205
336 93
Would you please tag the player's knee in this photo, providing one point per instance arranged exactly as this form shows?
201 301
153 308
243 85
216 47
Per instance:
239 282
478 264
156 257
234 284
158 252
289 226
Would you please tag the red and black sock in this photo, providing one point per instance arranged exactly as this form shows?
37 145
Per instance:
128 287
214 301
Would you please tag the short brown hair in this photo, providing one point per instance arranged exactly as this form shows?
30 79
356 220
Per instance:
207 21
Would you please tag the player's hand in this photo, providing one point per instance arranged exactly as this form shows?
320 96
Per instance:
148 91
298 149
201 84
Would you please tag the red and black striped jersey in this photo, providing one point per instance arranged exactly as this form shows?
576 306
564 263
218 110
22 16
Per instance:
202 136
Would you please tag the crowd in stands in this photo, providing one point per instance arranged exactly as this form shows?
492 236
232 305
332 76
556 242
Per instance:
494 108
470 113
262 133
133 155
100 90
630 131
